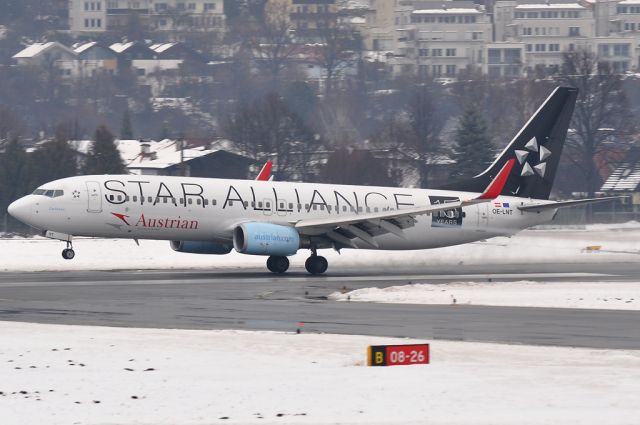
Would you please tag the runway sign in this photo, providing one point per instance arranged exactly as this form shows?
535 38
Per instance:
397 355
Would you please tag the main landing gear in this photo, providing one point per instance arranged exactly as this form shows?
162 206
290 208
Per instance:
68 253
277 264
316 264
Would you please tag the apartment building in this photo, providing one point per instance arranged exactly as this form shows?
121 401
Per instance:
95 16
441 39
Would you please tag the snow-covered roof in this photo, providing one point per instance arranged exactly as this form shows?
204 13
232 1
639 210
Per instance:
628 2
624 178
37 48
550 6
448 11
121 47
81 47
162 154
161 47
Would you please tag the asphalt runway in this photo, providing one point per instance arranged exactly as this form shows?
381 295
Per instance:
258 300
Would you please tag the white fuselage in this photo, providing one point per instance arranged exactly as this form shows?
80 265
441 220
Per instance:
204 209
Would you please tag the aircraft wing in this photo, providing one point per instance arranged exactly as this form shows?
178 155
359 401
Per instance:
564 204
345 229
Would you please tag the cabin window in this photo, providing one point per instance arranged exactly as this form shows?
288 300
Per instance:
164 200
126 199
299 207
322 207
173 200
315 207
259 204
368 209
150 199
246 204
290 206
359 209
119 197
198 201
214 202
253 204
135 198
268 204
375 209
230 203
206 202
190 201
344 208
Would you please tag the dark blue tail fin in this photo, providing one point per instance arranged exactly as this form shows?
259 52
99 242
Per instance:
536 147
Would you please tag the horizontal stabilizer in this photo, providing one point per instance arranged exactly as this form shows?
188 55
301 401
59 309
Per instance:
566 204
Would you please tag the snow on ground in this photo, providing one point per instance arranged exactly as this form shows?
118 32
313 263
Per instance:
600 295
620 243
54 374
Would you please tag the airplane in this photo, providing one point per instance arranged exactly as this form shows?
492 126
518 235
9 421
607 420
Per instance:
277 219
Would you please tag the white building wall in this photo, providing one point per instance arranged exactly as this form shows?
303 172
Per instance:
87 16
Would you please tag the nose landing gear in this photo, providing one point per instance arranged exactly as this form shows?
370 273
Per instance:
68 253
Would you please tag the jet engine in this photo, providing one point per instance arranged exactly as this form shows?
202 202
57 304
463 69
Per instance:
266 239
200 247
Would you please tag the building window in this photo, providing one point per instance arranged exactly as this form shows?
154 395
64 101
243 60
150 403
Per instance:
436 52
161 7
451 70
423 52
451 52
529 47
182 6
86 23
554 47
98 6
208 7
99 23
574 31
621 50
541 47
191 6
436 70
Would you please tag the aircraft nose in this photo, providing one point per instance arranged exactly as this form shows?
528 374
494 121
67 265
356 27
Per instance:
20 209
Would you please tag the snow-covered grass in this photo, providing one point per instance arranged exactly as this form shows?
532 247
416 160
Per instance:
53 374
620 243
600 295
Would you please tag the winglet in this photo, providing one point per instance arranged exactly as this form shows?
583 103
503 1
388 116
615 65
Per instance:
497 184
265 173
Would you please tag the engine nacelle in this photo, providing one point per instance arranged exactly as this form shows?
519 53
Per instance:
266 239
200 247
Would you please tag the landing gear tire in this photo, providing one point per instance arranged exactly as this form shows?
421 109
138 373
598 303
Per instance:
316 264
277 264
68 254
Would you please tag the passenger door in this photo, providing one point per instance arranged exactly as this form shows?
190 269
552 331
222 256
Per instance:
94 196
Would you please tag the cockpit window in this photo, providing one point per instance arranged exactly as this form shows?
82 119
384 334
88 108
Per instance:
48 193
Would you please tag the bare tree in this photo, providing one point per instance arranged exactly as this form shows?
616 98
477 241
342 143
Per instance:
601 112
266 128
427 120
273 45
336 49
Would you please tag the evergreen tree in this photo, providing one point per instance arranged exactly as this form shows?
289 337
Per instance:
103 157
126 131
54 160
473 151
13 179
